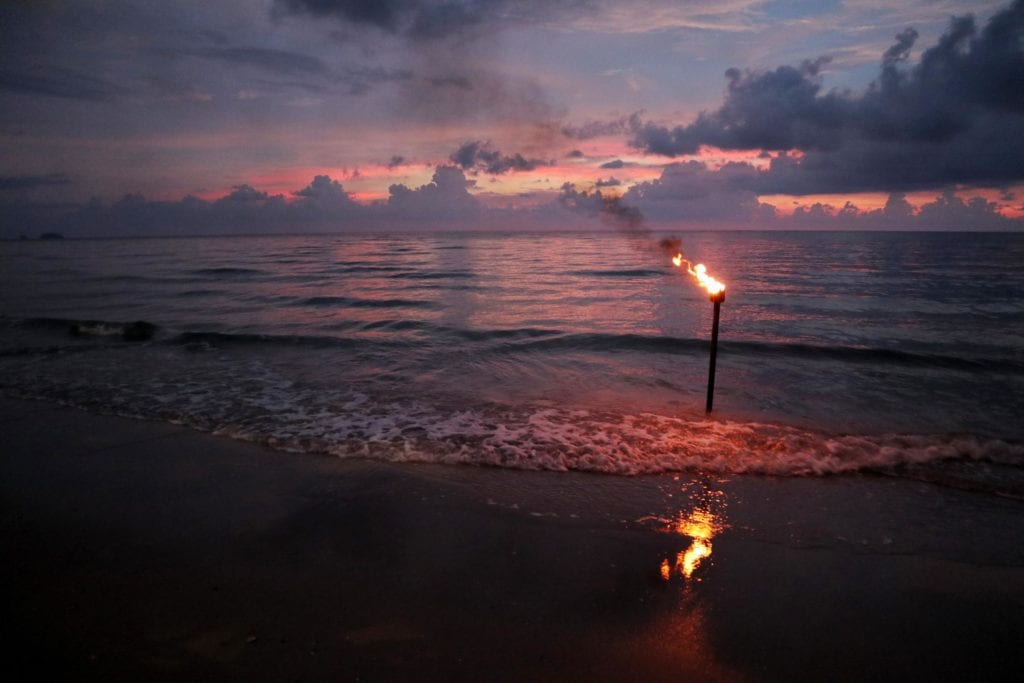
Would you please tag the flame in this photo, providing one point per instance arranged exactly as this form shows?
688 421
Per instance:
700 272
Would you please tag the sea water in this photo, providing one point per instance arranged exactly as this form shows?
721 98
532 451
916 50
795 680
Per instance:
896 353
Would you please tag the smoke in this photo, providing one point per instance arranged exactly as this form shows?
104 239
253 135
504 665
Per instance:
628 217
628 220
607 207
671 246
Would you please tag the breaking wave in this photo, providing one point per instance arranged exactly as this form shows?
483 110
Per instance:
521 340
580 440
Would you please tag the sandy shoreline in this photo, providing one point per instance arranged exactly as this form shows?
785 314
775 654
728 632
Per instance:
146 551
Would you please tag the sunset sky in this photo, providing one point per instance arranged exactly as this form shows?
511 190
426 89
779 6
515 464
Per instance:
186 117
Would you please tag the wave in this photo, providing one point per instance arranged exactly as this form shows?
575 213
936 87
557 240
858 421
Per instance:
629 445
855 354
353 425
435 275
227 272
532 333
639 272
123 278
139 330
348 302
250 339
368 268
528 339
396 325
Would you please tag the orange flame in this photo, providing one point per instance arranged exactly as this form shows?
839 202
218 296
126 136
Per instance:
700 272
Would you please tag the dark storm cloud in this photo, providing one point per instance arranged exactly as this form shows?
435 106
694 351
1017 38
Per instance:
383 14
361 80
955 116
779 109
355 79
279 61
431 19
56 81
478 156
29 182
458 82
988 154
447 48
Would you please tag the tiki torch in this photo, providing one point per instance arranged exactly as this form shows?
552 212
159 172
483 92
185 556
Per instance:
716 298
716 292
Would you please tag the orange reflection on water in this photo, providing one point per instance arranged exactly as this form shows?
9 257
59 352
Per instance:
701 525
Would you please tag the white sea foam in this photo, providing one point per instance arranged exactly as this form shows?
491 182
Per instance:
581 440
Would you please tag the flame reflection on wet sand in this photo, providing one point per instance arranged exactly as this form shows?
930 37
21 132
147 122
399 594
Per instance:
700 524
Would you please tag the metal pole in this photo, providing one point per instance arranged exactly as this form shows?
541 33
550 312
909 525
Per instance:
717 300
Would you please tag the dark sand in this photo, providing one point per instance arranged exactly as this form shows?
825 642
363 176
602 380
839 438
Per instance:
144 551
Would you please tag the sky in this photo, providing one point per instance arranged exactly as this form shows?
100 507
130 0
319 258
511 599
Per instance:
248 116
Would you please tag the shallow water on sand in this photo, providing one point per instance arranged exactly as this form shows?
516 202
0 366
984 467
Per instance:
901 353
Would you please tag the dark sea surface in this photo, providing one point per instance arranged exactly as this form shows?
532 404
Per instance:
895 353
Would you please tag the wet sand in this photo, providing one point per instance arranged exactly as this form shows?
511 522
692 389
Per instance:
146 551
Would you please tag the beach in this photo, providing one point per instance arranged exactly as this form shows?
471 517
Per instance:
512 341
138 550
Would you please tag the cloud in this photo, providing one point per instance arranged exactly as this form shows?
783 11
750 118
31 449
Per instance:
478 156
243 194
431 20
597 129
616 163
687 195
359 79
611 182
324 191
445 197
448 53
382 14
31 182
774 110
278 61
321 205
957 116
56 81
692 192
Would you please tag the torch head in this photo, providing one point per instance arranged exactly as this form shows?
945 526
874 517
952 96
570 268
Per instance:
717 297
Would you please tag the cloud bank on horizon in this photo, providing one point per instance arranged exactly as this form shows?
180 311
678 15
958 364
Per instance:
300 115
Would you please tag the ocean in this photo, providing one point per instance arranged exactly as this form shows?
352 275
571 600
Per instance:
898 354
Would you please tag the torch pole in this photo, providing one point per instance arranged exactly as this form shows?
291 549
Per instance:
717 300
